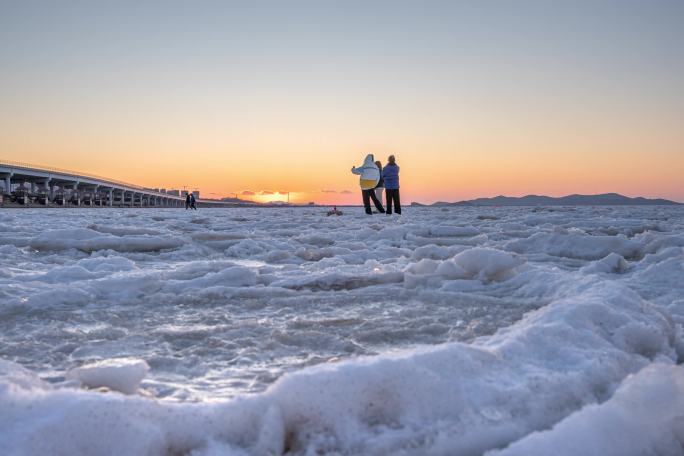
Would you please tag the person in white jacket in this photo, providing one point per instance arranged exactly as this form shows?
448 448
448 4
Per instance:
368 180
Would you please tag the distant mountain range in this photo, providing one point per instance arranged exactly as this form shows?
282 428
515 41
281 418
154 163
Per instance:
605 199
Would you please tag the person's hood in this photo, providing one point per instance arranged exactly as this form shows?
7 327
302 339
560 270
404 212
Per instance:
369 161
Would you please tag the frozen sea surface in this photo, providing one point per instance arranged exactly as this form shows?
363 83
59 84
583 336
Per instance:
509 331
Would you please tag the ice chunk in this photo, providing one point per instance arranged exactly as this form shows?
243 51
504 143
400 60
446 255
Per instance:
433 252
577 245
107 264
67 274
486 264
424 266
89 240
612 263
123 230
232 276
452 270
645 416
120 374
453 231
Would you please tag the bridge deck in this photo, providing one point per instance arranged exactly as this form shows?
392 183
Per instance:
51 184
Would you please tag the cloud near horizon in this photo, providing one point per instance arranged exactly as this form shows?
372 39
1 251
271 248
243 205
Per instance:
328 191
247 192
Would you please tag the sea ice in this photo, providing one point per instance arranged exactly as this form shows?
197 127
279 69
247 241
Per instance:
253 331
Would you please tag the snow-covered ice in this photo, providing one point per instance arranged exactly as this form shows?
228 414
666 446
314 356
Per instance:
447 331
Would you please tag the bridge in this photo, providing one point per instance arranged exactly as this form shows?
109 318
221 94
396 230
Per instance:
26 184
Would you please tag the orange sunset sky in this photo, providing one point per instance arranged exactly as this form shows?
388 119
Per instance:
473 98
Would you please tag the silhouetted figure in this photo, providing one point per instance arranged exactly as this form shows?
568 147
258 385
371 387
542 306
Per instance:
381 183
192 201
369 178
391 176
187 201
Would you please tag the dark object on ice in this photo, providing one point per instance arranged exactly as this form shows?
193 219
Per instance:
334 211
605 199
192 201
187 201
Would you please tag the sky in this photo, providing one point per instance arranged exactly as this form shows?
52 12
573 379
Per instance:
258 99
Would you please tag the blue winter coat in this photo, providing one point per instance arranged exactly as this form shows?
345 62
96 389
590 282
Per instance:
390 174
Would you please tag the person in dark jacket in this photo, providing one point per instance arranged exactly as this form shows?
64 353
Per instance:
192 201
390 175
187 201
381 183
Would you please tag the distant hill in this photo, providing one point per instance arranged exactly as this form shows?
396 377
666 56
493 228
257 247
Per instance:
605 199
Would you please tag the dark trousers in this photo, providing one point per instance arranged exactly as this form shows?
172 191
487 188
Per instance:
370 195
392 196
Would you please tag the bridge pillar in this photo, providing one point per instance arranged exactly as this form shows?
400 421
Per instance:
8 184
48 191
74 188
111 197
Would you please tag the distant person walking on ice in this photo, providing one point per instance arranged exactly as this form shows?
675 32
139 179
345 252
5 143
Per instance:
391 177
187 201
370 176
192 201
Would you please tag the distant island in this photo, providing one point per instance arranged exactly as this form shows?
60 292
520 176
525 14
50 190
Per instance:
605 199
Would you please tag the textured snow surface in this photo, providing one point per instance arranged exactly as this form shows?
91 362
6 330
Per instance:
447 331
